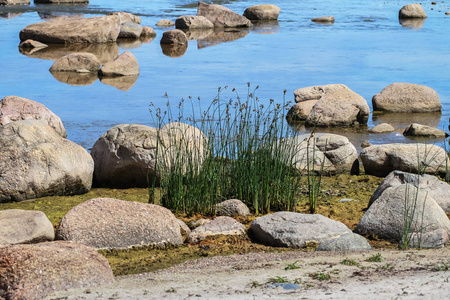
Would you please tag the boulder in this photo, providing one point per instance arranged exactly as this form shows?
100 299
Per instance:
232 207
289 229
125 17
262 12
15 2
73 30
327 153
124 65
31 44
382 128
116 224
125 156
35 162
19 226
13 108
37 271
346 242
414 10
327 19
407 97
418 130
380 160
193 22
174 36
165 23
130 30
430 239
77 62
221 16
147 31
336 105
402 210
218 226
432 185
300 111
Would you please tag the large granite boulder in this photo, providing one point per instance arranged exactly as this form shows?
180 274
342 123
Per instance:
221 16
126 155
419 130
436 188
406 97
124 65
76 62
410 11
402 210
380 160
219 226
73 30
130 30
346 242
174 37
289 229
193 22
262 12
19 226
35 162
116 224
13 108
329 153
37 271
332 105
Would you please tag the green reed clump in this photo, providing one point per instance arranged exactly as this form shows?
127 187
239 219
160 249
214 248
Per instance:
239 154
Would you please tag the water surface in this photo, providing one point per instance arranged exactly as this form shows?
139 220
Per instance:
366 49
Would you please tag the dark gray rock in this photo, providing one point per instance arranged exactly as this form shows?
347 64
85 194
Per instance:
232 207
289 229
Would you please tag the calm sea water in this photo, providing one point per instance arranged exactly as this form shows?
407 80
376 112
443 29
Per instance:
366 49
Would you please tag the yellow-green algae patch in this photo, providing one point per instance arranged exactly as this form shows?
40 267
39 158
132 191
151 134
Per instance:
145 259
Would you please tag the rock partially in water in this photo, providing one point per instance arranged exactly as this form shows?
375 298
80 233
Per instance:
106 223
13 108
130 30
174 37
289 229
31 44
147 32
60 1
221 16
124 65
414 10
165 23
15 2
382 128
193 22
262 12
37 271
327 20
19 226
76 62
407 97
418 130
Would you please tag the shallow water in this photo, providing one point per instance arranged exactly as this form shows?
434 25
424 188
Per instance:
366 49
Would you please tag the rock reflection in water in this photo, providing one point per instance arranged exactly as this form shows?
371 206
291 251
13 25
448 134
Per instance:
266 27
9 15
198 34
104 52
129 43
416 23
175 50
74 78
123 83
402 120
56 14
219 36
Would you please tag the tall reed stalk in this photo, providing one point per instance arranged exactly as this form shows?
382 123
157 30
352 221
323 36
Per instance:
239 156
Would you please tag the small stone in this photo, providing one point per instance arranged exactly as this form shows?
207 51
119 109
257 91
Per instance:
165 23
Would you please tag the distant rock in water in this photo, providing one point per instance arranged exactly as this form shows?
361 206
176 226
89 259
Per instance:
76 62
418 130
221 16
165 23
414 10
382 128
262 12
327 19
193 22
174 37
124 65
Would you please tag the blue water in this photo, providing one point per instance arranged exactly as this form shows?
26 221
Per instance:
366 49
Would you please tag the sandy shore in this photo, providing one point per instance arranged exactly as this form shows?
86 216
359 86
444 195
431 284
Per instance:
411 274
